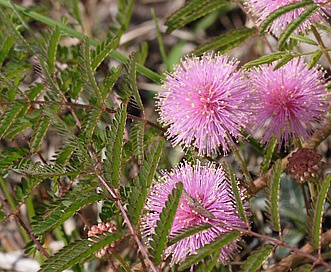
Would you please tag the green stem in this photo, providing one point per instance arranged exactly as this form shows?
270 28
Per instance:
243 166
71 32
321 44
122 261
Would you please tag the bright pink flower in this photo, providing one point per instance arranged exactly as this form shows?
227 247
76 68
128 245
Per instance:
289 101
261 9
209 187
205 103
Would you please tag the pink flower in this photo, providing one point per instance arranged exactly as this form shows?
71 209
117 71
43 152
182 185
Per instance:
205 103
289 101
210 188
261 9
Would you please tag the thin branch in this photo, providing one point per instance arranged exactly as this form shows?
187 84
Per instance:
22 224
72 104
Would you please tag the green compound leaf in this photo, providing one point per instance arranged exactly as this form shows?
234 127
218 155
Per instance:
187 232
208 249
89 124
65 207
314 58
9 117
39 133
303 39
272 196
237 193
285 59
265 59
144 180
159 239
281 11
257 257
102 51
191 11
267 158
4 50
295 24
114 134
227 41
315 216
78 252
52 49
137 136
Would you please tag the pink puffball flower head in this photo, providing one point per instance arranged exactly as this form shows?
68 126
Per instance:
205 103
261 9
289 101
209 187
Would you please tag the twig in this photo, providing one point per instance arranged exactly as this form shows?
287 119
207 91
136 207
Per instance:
22 224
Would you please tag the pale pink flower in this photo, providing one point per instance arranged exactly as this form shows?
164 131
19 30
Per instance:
205 103
210 188
289 102
261 9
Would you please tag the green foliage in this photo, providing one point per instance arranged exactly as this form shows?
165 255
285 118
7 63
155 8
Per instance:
192 10
187 232
305 15
227 41
78 252
257 257
63 208
315 215
272 196
209 249
115 134
237 193
143 181
281 11
268 156
163 225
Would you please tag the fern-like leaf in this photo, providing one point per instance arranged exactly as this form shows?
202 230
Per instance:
227 41
209 262
115 134
257 257
281 11
163 225
131 81
315 57
102 51
65 207
4 50
187 232
305 15
285 59
143 181
208 249
303 39
137 136
39 133
191 11
272 196
52 49
267 158
265 59
315 215
89 124
237 193
78 252
9 117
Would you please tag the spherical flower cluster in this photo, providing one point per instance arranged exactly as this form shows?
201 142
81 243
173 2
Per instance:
304 164
101 228
210 188
205 103
261 9
289 101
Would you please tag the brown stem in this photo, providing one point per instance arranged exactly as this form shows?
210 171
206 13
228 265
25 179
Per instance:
298 257
27 230
318 136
